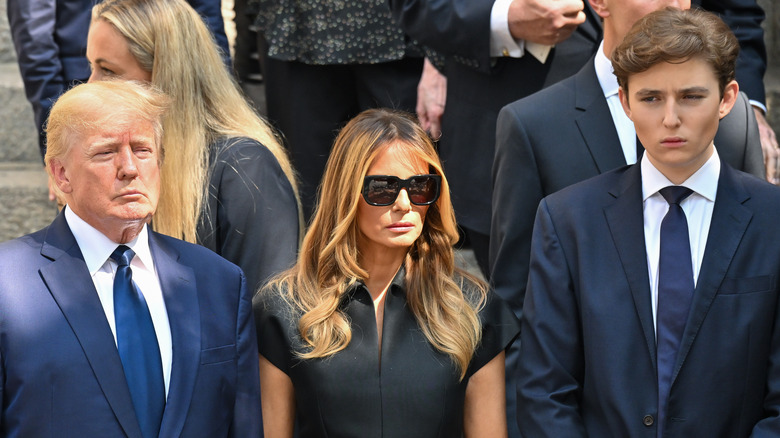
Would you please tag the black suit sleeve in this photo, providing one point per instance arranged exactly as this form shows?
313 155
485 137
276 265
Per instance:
517 190
459 28
211 12
551 372
744 17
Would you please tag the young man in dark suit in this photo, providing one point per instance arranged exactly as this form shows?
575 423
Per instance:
652 299
108 328
575 130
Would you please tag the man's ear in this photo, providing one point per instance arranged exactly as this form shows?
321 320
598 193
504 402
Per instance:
600 7
730 94
60 175
624 102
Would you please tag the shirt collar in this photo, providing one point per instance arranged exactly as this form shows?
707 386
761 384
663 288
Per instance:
397 286
703 182
607 79
96 247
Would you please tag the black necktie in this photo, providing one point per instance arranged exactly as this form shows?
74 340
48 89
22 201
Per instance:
675 291
138 348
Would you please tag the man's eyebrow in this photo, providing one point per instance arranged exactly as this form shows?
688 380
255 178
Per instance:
103 142
695 89
691 89
646 92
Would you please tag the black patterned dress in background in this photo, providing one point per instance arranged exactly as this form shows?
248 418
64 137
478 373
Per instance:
328 60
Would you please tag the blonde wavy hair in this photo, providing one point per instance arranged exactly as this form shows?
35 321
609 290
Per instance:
444 300
86 107
170 40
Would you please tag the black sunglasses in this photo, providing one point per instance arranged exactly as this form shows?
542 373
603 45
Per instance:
382 190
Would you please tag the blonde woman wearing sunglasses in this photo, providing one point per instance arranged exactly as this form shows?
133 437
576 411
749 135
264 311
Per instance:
375 332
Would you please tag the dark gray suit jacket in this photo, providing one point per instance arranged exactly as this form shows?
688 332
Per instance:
478 86
588 339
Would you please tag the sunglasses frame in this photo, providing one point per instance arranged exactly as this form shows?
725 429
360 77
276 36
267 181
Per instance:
403 184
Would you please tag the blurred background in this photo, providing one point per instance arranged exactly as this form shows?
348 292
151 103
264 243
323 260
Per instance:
24 204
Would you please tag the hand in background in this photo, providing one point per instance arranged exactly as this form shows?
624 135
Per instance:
544 21
770 148
431 98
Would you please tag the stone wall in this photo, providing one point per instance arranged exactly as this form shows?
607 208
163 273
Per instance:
6 46
772 77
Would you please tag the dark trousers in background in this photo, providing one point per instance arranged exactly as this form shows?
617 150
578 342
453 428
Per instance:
310 103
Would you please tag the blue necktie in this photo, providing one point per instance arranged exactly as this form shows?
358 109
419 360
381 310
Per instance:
675 291
138 348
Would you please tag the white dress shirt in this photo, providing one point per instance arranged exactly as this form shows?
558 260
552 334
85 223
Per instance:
609 85
502 43
96 249
698 212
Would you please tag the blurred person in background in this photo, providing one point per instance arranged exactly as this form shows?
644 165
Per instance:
227 182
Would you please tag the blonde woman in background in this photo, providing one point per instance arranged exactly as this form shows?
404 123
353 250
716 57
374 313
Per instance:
226 180
374 332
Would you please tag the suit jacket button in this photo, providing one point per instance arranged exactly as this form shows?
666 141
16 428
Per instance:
648 420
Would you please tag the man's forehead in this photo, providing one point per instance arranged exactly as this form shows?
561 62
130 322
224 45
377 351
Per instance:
119 126
120 136
688 74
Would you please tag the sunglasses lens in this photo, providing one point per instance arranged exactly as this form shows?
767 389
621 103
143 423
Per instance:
422 190
382 191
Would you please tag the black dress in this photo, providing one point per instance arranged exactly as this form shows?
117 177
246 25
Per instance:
250 216
413 390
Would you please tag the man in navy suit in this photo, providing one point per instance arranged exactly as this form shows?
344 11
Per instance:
70 344
605 281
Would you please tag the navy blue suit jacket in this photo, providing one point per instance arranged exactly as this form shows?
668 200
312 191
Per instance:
588 339
60 372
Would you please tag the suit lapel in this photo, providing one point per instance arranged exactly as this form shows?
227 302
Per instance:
595 121
71 286
729 222
625 218
181 302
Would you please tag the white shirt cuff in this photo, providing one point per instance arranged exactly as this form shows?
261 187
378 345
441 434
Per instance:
758 105
501 41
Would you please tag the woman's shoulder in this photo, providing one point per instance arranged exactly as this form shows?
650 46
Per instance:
276 321
273 301
245 160
499 324
474 289
234 149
